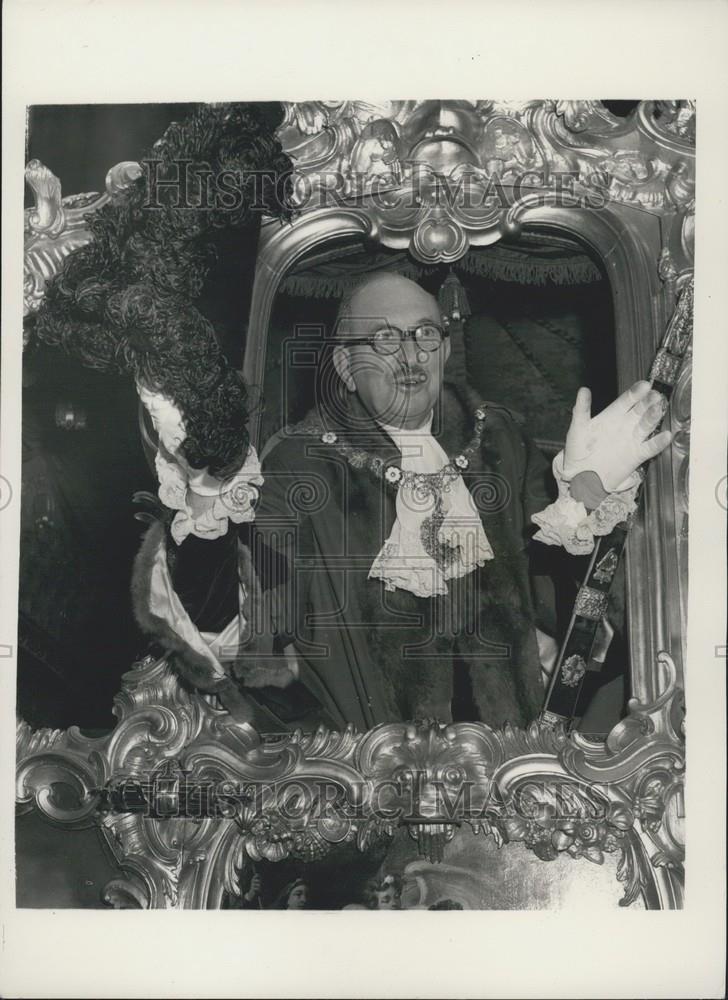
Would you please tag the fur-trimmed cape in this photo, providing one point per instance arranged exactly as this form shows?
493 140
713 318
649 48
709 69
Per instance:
161 615
372 656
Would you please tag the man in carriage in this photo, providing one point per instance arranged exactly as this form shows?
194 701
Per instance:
400 587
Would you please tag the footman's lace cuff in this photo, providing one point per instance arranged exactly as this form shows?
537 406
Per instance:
219 500
567 521
233 499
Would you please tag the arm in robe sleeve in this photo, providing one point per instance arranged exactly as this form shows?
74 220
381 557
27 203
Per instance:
280 533
181 591
556 574
529 486
550 569
204 574
539 488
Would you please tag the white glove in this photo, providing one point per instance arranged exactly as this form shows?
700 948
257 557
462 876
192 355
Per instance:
617 441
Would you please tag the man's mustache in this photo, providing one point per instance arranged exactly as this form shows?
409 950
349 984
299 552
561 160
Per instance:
405 371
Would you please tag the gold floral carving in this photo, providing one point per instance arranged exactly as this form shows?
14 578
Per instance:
554 793
437 177
56 226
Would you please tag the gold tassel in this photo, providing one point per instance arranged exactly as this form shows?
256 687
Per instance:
455 309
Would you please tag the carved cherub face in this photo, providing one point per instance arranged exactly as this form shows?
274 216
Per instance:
298 898
628 166
388 899
398 389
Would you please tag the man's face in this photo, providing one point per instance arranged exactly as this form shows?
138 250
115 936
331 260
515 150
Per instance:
398 389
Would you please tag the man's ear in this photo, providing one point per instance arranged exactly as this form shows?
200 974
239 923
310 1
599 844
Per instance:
446 347
342 364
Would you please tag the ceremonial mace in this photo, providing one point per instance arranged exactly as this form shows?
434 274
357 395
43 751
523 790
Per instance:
576 656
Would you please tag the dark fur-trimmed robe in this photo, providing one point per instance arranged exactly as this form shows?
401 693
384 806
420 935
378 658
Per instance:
370 655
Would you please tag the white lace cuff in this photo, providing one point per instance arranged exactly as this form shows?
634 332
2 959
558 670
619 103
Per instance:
566 521
233 499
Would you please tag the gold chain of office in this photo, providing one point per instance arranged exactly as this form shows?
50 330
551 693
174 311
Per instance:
394 476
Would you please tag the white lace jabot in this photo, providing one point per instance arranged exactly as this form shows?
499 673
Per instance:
446 521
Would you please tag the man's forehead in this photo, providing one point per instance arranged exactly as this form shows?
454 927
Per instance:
390 300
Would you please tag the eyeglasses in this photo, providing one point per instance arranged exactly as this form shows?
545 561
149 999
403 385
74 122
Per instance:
388 340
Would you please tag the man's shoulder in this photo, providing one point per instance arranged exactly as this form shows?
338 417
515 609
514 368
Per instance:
463 401
497 412
290 441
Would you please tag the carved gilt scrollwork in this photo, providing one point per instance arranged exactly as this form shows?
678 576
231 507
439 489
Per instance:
680 423
56 226
434 174
186 797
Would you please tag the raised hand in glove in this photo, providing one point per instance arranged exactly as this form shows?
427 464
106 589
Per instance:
616 442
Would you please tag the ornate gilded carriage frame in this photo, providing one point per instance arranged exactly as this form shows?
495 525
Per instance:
622 188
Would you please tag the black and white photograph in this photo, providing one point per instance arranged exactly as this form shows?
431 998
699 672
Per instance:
355 538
